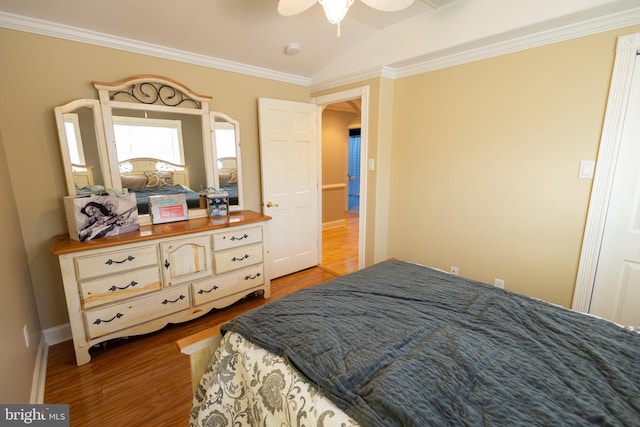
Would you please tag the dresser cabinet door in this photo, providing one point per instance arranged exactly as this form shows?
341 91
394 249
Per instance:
186 260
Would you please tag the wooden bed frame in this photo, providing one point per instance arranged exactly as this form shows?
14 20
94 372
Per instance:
200 347
143 165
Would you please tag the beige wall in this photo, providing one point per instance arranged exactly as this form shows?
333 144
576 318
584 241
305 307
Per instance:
484 164
335 142
40 73
17 304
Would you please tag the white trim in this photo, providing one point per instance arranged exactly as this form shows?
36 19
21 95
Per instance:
57 334
360 76
39 372
51 29
466 54
625 60
436 61
361 93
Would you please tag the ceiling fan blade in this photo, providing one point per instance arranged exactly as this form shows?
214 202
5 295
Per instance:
294 7
388 5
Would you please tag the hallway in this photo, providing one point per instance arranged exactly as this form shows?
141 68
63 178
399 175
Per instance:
340 246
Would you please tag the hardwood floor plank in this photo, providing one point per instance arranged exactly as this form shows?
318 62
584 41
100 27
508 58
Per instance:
340 246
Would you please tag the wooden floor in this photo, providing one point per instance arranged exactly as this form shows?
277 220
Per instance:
145 380
340 246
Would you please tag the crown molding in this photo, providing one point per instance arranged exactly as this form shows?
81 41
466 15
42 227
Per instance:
46 28
359 76
459 56
435 61
568 32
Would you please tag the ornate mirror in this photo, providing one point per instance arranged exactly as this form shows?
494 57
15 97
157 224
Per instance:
150 135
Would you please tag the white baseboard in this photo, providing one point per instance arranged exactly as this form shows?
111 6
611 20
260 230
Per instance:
57 334
48 337
40 372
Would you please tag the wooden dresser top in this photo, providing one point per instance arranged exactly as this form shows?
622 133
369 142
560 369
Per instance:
63 244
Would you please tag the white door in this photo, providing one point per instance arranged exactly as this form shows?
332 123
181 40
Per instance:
616 291
289 161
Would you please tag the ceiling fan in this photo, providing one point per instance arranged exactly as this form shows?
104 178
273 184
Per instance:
337 9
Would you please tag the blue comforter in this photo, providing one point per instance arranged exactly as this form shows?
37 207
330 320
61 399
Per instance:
399 344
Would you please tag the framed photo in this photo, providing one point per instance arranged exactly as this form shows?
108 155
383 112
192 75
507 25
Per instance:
168 208
218 203
93 216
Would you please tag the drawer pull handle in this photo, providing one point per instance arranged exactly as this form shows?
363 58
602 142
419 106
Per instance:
250 277
244 236
202 291
129 258
117 288
117 316
234 259
165 302
166 264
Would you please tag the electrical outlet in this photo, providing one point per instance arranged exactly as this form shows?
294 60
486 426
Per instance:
498 283
453 270
25 331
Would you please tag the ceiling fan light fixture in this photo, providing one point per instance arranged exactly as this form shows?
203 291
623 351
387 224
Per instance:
335 10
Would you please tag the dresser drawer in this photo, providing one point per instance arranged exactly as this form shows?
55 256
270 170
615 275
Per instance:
234 239
116 262
119 286
210 290
232 259
134 312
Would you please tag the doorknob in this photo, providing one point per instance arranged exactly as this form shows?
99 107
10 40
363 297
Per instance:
269 204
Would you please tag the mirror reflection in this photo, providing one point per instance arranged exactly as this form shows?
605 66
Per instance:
79 130
159 153
83 148
226 139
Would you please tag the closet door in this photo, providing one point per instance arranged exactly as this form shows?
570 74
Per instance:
616 289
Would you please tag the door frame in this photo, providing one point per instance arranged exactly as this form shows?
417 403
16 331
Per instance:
626 59
361 93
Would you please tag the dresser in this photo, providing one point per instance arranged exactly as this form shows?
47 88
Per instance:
138 282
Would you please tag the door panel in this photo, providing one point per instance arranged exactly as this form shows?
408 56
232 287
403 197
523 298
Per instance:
289 161
616 290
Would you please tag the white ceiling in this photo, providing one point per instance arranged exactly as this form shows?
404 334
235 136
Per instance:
249 36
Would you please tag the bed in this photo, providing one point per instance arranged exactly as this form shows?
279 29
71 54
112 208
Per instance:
228 178
145 176
400 344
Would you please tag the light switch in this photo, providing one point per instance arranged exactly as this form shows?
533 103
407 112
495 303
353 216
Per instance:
371 165
586 169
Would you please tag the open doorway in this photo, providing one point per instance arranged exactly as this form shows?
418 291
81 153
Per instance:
357 99
341 161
